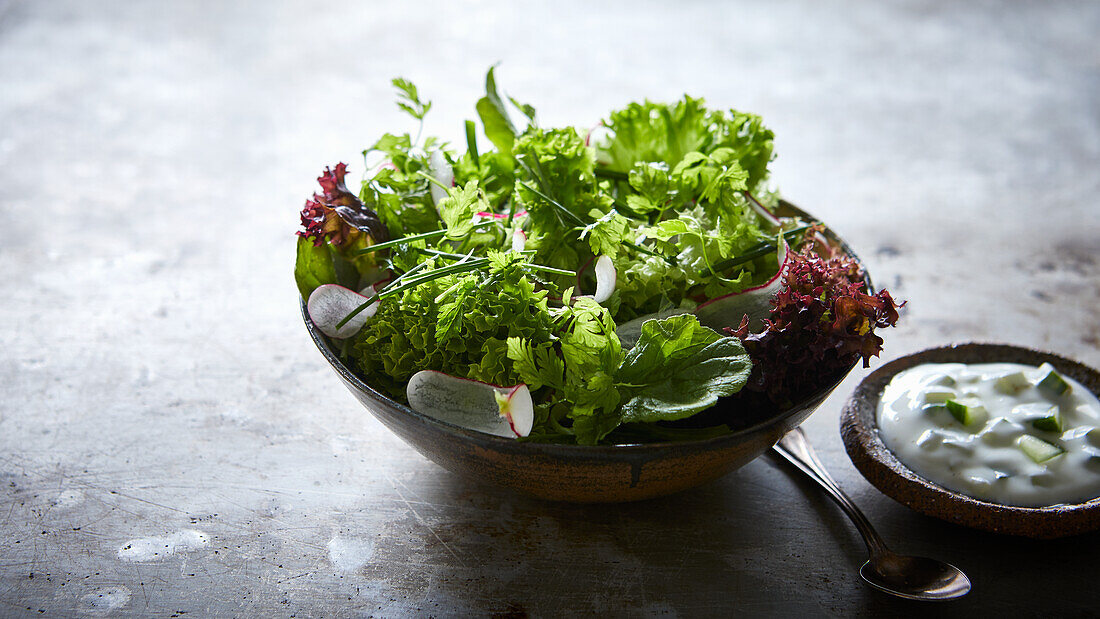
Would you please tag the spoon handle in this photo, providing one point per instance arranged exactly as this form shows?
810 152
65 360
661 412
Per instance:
796 449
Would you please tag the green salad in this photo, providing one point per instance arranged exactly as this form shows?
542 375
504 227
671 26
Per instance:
570 285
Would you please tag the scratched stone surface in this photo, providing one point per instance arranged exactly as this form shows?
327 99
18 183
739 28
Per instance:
171 442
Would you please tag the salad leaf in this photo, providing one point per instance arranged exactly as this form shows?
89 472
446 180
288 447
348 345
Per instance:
679 368
822 322
409 99
480 276
313 267
654 132
459 210
498 126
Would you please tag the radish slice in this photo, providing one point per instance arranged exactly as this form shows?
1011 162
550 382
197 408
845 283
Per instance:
488 215
441 172
763 211
503 411
330 303
629 332
519 240
606 277
756 302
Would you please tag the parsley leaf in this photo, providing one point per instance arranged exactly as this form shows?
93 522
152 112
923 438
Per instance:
409 100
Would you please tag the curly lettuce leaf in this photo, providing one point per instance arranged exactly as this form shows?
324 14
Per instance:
669 133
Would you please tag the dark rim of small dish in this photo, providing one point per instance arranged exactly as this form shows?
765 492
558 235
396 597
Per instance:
786 209
879 465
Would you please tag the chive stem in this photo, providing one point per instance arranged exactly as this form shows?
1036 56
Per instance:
539 267
758 250
471 142
409 239
615 175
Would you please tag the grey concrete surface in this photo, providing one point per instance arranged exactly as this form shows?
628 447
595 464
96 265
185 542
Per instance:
171 442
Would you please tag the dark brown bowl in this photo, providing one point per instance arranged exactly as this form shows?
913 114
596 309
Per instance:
859 429
579 473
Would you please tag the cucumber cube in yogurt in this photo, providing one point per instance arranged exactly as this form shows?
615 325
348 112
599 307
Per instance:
1000 432
930 440
1092 437
1051 422
1037 449
938 395
968 411
942 380
1052 382
1013 383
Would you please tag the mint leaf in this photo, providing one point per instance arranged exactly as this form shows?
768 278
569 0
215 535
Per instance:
678 368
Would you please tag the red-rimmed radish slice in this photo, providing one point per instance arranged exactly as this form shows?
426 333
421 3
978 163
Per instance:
442 172
330 303
488 215
629 332
606 278
597 134
763 211
519 240
756 302
503 411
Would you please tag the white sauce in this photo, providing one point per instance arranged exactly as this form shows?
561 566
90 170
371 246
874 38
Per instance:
984 459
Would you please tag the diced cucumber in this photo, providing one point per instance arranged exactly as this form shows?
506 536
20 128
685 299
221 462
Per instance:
968 411
930 440
1000 432
1092 462
938 395
1037 449
1093 437
943 380
1046 479
1013 383
1052 382
1052 422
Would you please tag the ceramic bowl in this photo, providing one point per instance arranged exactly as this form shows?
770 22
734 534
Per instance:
859 430
579 473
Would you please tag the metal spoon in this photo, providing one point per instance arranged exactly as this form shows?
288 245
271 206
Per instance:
915 578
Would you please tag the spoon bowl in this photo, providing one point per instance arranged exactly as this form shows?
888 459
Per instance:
915 578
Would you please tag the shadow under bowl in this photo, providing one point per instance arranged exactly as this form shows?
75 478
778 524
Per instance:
879 465
580 473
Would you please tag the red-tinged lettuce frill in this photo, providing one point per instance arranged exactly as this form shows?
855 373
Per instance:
338 216
821 322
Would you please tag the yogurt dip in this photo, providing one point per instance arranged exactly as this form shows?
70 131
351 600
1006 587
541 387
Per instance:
1005 433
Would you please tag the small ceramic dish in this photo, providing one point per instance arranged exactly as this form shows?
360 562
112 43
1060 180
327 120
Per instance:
859 430
582 473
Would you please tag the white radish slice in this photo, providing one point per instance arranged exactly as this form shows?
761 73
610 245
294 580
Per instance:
727 311
330 303
441 172
606 277
763 211
631 331
519 240
503 411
